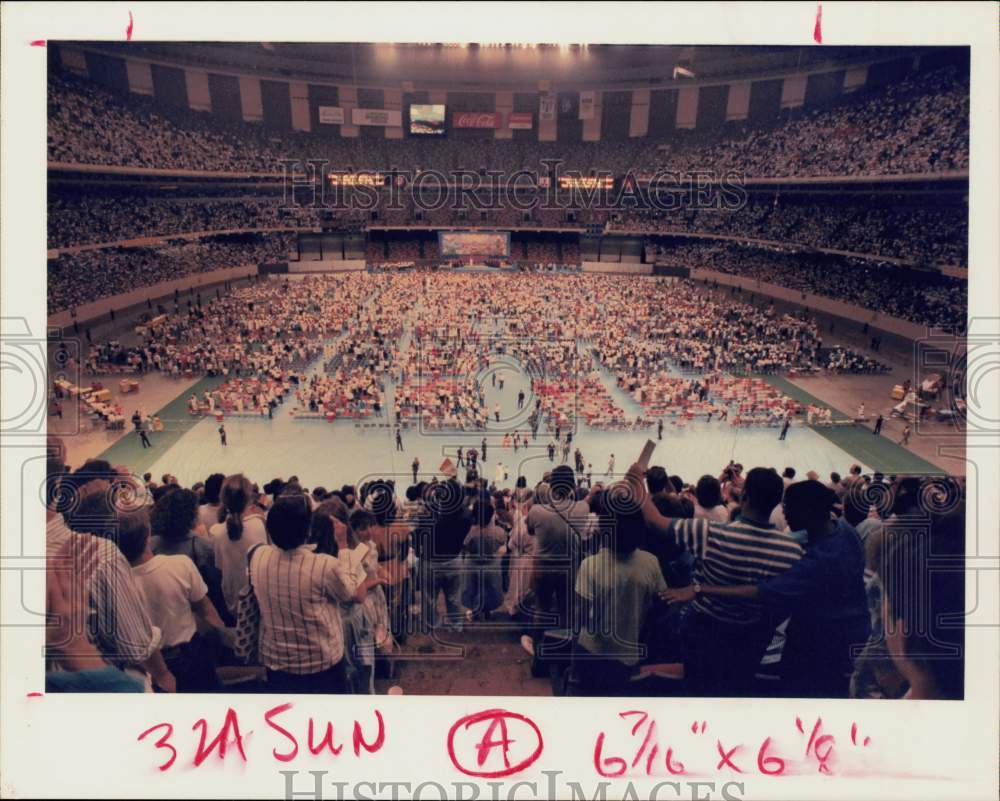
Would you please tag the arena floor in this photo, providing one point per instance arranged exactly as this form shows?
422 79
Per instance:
348 452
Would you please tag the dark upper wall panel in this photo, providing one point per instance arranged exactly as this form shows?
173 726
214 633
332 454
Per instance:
824 88
616 114
169 86
108 71
662 112
765 102
224 90
322 95
371 98
712 106
277 105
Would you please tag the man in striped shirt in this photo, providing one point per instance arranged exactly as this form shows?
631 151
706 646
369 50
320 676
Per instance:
724 638
298 591
117 621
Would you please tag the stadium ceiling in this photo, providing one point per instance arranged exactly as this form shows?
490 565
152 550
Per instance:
497 65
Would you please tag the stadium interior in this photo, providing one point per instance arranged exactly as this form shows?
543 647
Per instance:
405 315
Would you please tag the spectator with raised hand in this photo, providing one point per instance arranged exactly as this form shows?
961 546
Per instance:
724 639
823 594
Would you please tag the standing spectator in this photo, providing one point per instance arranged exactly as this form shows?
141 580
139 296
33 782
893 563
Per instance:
177 600
824 593
241 528
123 636
173 519
709 504
722 639
299 592
562 527
210 511
617 588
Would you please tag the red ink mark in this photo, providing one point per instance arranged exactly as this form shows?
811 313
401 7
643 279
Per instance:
359 740
326 742
645 743
603 766
128 30
727 756
867 740
694 727
37 43
35 695
798 725
818 28
162 742
499 719
221 740
826 739
769 765
674 770
854 733
812 737
273 713
817 741
643 716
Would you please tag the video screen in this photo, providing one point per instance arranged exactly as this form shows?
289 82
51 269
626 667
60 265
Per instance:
474 243
427 119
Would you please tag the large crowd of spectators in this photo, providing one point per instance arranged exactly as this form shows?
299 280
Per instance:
913 234
79 278
90 219
742 584
921 235
917 125
923 297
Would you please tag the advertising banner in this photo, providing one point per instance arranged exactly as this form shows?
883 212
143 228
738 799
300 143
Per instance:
475 119
547 106
519 121
384 118
331 115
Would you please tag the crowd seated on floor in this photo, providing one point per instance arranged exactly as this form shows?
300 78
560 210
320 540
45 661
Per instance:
817 601
671 345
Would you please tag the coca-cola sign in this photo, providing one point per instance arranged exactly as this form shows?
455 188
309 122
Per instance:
475 119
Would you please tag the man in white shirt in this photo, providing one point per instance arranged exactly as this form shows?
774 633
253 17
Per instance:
176 599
